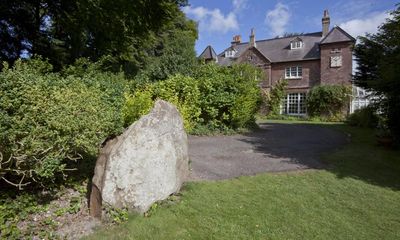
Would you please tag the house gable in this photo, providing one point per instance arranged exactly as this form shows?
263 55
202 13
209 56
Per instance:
209 54
253 56
337 35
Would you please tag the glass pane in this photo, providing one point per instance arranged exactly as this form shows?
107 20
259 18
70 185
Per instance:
299 71
287 72
284 105
293 71
292 103
302 103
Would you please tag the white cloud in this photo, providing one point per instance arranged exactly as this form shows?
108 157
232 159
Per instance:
212 20
239 5
359 26
277 19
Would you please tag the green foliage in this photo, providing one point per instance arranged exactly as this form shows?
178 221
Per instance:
49 121
65 30
137 105
215 98
364 117
115 215
230 97
179 90
15 209
275 97
173 52
377 70
328 101
184 93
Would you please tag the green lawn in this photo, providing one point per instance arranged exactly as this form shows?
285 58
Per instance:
357 198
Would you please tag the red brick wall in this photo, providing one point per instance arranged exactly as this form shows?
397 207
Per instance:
311 73
336 75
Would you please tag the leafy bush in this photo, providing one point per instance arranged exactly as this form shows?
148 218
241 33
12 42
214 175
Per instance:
49 121
216 98
185 94
137 105
328 101
275 97
230 97
179 90
364 117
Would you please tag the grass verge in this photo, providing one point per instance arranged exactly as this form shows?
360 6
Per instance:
358 198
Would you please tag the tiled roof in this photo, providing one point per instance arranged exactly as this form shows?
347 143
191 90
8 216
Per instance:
337 35
208 53
278 49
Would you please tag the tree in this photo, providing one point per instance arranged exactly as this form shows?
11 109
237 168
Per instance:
174 50
378 57
64 30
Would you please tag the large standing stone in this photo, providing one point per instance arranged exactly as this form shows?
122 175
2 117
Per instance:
145 164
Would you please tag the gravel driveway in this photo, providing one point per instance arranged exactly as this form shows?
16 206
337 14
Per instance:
273 148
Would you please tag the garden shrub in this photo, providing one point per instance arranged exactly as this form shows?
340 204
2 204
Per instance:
230 96
275 97
183 92
328 102
364 117
248 98
215 98
49 121
179 90
137 104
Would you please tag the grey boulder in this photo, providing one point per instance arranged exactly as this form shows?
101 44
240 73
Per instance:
145 164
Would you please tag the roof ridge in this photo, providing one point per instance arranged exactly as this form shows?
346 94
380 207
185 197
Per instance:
272 39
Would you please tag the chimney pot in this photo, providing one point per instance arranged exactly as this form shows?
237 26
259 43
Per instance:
237 39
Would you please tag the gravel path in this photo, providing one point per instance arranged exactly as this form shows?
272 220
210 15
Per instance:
273 148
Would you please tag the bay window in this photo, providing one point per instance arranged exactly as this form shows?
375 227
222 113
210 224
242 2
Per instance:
294 104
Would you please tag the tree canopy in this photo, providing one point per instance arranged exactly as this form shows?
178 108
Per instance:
64 30
378 57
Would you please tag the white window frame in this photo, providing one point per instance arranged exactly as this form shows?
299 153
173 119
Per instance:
296 44
294 72
294 104
361 98
230 53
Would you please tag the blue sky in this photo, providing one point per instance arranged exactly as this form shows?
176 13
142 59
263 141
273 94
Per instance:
220 20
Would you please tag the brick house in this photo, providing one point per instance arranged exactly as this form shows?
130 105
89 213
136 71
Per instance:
305 60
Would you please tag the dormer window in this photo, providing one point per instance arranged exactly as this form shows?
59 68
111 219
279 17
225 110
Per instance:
230 53
296 44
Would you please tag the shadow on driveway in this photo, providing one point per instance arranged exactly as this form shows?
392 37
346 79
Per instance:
273 148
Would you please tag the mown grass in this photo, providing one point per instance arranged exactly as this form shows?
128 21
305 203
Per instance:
358 197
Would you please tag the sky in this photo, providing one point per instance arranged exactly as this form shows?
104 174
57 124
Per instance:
220 20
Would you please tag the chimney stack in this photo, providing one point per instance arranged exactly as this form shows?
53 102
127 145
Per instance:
252 38
237 39
326 20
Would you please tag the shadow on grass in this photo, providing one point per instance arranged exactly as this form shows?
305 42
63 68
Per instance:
343 150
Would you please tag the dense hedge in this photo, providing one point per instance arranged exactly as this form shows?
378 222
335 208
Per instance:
180 90
215 98
50 120
328 102
364 117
